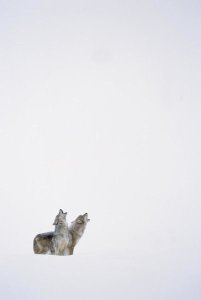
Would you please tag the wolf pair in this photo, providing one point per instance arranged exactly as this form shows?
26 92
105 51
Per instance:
63 240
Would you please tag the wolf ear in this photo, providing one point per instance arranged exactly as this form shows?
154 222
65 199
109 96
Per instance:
61 211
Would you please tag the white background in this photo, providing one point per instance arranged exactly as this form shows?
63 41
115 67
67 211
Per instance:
100 113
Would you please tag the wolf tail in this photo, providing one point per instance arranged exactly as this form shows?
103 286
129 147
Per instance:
36 247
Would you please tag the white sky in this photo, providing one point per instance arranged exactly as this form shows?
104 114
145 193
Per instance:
100 113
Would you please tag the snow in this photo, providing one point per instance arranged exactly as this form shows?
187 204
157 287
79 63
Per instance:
100 113
100 276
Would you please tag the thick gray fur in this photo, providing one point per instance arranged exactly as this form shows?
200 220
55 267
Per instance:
50 242
56 242
76 231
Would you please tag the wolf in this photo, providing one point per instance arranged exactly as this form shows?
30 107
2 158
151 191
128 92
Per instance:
56 242
43 243
76 231
61 236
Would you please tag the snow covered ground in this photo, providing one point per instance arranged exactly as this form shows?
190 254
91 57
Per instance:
159 275
100 113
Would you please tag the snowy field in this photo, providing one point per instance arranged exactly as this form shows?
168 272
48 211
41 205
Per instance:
128 276
100 112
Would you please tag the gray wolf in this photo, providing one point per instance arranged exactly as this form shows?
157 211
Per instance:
53 242
76 231
47 243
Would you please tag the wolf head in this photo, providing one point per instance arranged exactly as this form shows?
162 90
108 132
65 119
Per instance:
60 218
80 223
82 219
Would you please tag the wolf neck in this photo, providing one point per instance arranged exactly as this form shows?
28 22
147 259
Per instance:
62 228
77 233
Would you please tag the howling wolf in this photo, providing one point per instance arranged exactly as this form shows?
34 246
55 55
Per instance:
76 231
53 242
